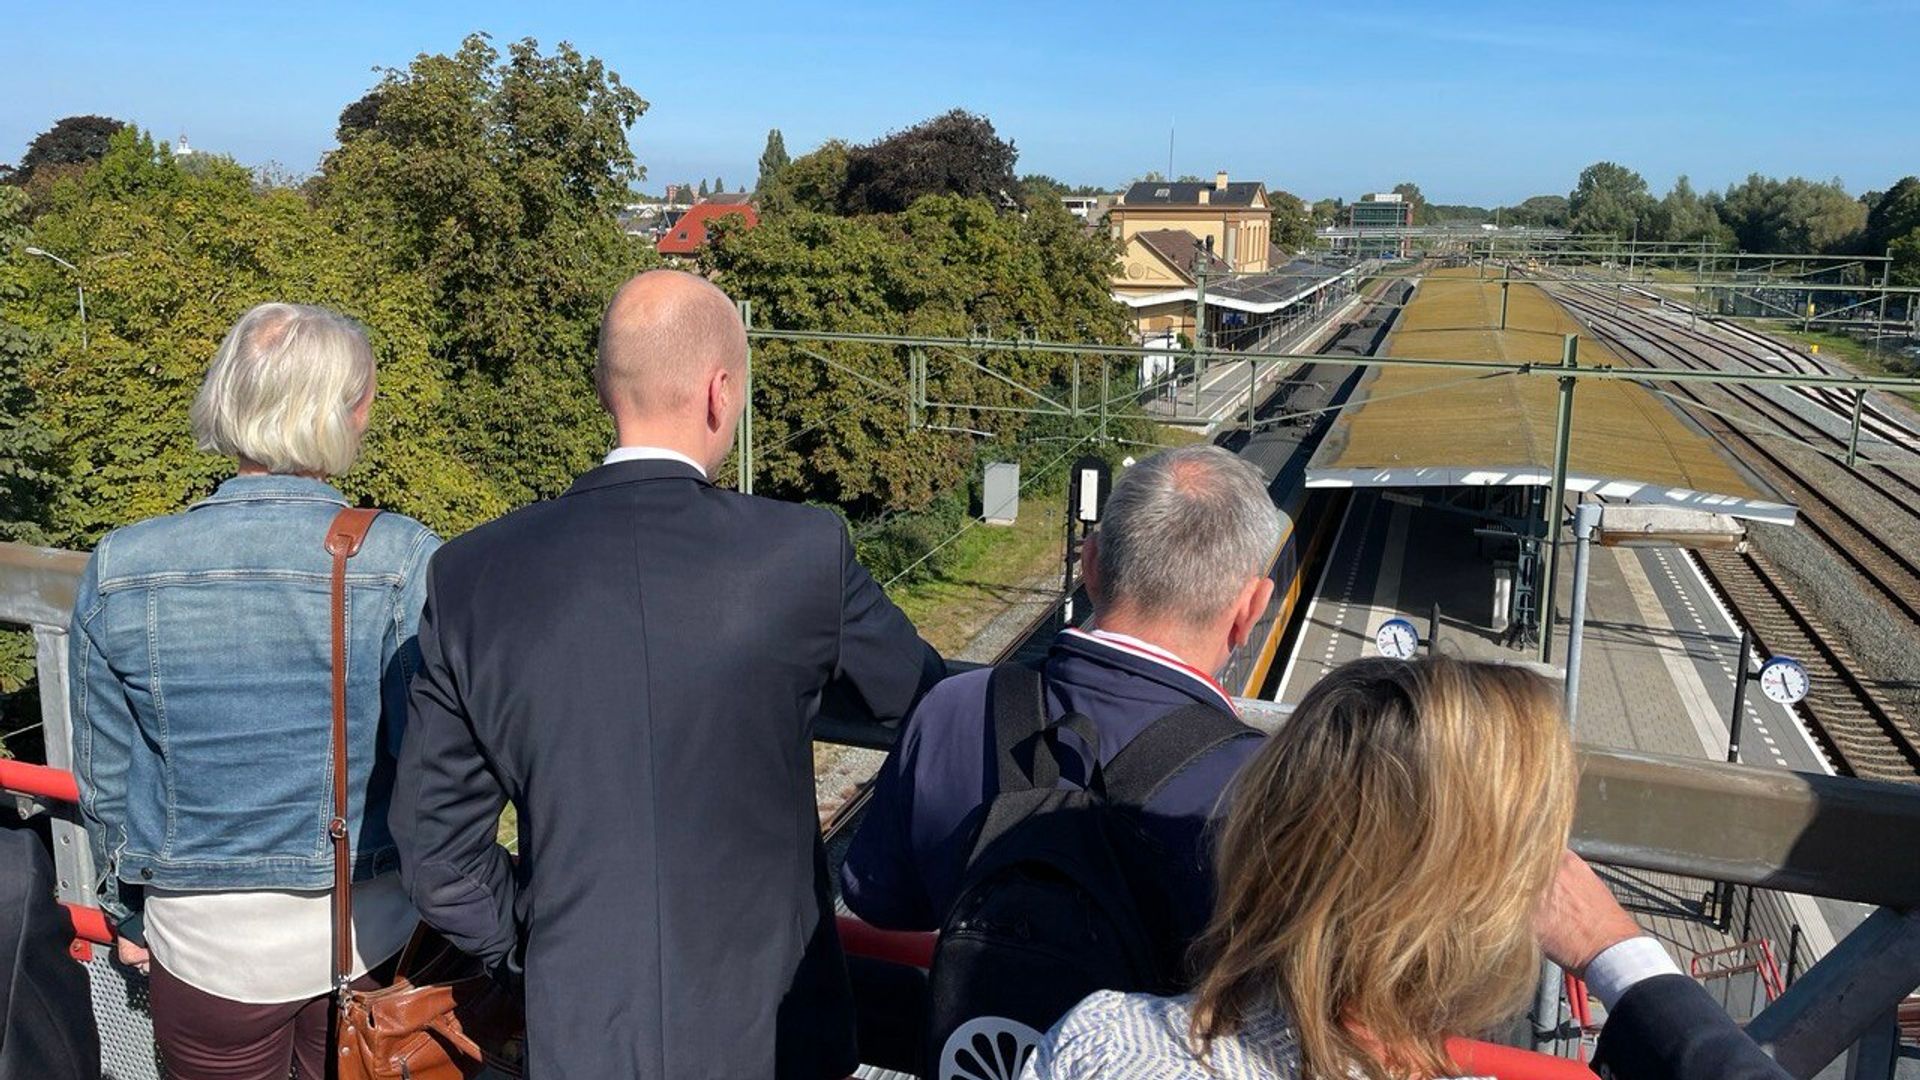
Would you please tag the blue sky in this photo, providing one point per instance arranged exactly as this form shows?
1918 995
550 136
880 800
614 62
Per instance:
1478 103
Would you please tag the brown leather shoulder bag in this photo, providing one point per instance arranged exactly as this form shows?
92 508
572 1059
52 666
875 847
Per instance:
442 1017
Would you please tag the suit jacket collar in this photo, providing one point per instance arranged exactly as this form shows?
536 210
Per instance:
634 472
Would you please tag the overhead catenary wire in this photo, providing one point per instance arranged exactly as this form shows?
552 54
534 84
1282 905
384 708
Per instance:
974 521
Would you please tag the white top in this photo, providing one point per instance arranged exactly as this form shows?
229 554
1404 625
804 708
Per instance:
650 453
1114 1036
266 946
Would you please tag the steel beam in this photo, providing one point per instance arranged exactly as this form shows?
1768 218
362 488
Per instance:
37 584
1844 996
1796 832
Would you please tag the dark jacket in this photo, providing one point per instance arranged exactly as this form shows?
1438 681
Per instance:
1669 1028
905 866
636 666
46 1017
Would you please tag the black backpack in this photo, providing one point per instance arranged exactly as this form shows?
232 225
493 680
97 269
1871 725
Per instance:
1059 898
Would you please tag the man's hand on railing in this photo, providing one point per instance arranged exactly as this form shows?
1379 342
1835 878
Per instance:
1579 919
133 956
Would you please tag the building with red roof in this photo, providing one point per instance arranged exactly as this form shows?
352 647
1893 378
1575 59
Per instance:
687 235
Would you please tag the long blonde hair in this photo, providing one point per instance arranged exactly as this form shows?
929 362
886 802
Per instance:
1381 863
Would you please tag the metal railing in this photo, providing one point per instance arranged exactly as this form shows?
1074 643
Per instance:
1826 836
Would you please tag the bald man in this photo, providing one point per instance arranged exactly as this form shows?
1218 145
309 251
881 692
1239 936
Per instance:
636 667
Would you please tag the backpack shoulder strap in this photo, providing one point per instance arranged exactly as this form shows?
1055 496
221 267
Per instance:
1016 703
1165 749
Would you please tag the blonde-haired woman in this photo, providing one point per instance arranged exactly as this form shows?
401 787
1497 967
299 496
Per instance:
1379 874
202 699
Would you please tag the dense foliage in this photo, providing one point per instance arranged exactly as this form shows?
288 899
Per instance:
493 183
949 266
957 153
73 140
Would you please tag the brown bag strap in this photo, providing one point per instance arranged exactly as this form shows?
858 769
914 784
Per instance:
344 537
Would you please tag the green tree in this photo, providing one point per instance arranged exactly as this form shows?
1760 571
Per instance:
812 182
957 153
1794 215
704 189
1538 211
1410 191
1609 199
26 446
495 181
947 266
1893 226
1291 224
171 256
1683 216
773 160
72 140
1323 213
1041 186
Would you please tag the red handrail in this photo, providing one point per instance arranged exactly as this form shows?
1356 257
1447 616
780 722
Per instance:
89 924
40 781
907 948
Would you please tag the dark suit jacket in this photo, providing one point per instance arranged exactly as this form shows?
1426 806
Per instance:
1668 1027
636 666
46 1016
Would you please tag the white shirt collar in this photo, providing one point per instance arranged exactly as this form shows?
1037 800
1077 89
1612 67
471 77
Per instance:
1148 651
651 453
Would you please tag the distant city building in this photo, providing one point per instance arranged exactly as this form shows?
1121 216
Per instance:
1387 210
688 234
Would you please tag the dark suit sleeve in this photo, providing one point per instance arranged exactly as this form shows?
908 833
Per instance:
880 878
882 658
1668 1027
447 802
46 1018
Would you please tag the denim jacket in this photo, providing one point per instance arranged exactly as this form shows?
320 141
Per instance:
200 667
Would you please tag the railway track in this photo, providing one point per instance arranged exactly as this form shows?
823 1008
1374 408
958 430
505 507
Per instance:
1900 487
1888 571
1860 733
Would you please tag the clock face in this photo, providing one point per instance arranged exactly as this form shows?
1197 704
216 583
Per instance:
1397 639
1784 680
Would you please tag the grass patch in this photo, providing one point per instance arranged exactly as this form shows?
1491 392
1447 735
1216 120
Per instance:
992 567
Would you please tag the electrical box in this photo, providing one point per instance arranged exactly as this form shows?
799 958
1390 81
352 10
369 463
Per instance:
1000 493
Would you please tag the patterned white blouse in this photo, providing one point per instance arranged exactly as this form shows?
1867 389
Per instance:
1113 1036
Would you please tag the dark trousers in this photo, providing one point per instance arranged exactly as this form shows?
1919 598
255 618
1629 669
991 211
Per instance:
204 1037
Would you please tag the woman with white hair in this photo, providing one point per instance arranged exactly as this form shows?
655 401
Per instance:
201 657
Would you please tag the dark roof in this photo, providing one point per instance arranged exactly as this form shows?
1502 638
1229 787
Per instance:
685 236
1179 247
1167 193
1281 282
731 198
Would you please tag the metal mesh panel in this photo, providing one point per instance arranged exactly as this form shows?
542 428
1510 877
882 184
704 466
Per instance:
126 1028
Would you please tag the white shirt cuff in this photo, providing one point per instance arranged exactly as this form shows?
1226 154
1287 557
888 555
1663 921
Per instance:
1622 966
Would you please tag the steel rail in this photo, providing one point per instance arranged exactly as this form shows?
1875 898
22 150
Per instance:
1896 578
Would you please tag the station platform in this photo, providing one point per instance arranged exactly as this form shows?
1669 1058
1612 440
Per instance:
1657 676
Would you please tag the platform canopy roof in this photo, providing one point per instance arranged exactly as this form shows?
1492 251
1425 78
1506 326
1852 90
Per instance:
1257 294
1413 427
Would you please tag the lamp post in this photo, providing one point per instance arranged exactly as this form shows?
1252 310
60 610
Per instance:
78 286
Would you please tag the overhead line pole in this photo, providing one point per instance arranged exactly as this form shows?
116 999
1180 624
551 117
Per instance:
1557 497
